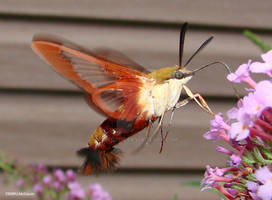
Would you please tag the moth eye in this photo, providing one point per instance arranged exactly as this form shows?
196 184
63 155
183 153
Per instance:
178 74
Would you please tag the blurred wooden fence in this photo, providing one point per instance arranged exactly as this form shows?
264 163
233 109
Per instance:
44 119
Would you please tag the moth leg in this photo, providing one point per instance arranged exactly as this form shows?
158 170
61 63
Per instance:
168 129
183 102
162 141
201 102
147 135
155 133
145 142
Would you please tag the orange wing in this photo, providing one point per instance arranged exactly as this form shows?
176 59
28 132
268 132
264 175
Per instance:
111 86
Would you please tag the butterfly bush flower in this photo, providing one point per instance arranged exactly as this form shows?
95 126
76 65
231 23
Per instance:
37 188
46 180
97 193
248 132
242 75
76 192
20 182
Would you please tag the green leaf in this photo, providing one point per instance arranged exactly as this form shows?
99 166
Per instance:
256 40
248 159
260 158
239 187
251 177
268 154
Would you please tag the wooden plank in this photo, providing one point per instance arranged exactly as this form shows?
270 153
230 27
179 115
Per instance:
230 13
50 128
151 47
139 186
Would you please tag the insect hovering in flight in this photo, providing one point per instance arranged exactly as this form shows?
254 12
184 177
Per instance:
130 96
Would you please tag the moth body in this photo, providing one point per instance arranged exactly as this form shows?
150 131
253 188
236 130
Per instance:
157 98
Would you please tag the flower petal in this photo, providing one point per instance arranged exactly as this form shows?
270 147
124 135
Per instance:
258 67
263 174
267 57
265 191
240 74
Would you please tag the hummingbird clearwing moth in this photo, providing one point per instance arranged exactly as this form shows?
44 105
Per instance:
131 97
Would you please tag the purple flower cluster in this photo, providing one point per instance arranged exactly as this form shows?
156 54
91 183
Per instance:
61 185
248 131
58 185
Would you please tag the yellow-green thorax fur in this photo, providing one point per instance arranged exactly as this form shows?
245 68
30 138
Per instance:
166 73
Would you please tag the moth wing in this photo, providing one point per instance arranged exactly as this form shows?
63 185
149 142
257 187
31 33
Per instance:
112 86
119 58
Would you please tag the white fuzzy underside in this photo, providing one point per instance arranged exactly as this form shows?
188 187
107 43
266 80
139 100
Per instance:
159 98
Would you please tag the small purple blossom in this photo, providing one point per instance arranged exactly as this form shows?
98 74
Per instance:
265 191
254 196
263 93
95 187
218 123
20 182
224 150
76 192
70 175
212 135
252 186
240 75
38 190
232 191
212 177
97 193
264 175
218 128
232 113
266 67
38 169
59 175
238 131
42 168
47 180
235 160
251 104
244 117
58 186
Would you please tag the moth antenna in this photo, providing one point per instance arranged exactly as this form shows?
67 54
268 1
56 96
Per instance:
204 44
213 63
225 66
181 42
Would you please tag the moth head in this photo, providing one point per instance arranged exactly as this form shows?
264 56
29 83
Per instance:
182 74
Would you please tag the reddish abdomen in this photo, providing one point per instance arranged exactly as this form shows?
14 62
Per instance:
112 131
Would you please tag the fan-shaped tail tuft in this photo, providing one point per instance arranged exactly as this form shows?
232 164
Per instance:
97 161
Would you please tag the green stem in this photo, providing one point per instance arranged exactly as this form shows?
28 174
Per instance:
256 40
